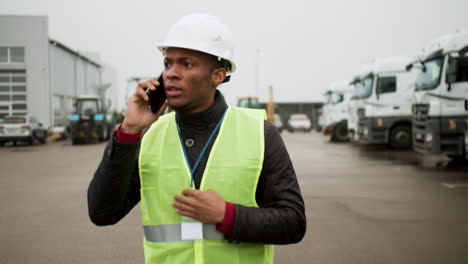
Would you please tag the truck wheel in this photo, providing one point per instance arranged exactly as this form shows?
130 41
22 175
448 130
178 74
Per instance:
43 140
109 133
103 134
75 141
340 133
457 157
401 137
31 140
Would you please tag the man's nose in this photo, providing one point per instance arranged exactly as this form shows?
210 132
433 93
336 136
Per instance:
173 72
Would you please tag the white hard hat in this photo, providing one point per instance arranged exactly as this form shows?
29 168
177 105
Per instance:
201 32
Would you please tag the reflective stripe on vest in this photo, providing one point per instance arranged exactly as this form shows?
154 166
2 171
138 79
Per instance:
171 233
232 170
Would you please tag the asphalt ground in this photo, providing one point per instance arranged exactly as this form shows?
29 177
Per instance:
364 204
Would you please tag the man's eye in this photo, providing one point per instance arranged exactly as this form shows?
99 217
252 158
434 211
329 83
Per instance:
189 65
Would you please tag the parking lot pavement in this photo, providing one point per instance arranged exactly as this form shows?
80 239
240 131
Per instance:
363 204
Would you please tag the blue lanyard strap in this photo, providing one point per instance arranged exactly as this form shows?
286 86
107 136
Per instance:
205 147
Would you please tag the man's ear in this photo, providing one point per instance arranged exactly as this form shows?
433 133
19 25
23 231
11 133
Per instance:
218 76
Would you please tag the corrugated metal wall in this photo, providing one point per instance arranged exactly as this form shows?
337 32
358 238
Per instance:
72 75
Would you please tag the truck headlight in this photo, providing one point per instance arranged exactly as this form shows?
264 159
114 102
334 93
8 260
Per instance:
98 117
74 117
429 137
365 131
379 122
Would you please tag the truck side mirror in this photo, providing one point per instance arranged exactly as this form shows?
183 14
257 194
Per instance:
452 67
377 88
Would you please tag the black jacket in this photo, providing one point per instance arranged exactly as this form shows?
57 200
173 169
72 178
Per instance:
115 187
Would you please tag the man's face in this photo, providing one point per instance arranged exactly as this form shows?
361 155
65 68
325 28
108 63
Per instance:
189 79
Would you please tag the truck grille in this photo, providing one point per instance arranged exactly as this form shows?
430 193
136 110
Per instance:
361 112
420 113
420 119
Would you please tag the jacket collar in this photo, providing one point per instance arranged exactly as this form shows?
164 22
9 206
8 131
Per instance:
205 119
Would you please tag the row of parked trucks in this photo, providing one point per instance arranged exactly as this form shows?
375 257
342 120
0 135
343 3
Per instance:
418 102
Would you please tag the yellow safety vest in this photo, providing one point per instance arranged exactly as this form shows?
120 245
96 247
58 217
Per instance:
232 170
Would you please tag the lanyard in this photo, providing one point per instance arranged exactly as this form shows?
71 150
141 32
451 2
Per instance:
205 147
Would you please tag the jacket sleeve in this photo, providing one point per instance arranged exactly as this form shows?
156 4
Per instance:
280 218
115 187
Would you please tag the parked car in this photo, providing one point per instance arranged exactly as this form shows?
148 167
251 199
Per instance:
299 122
277 122
21 128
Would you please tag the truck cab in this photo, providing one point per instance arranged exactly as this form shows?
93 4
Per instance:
324 116
249 102
440 107
386 115
338 115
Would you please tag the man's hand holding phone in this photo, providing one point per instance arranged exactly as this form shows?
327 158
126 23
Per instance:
139 114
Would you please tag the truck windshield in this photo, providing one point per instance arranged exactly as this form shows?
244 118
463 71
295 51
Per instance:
327 98
430 77
249 103
367 84
337 98
357 91
87 107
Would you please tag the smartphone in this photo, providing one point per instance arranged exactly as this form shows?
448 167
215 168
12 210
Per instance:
158 97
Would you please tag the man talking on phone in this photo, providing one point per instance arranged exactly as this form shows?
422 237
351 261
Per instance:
216 183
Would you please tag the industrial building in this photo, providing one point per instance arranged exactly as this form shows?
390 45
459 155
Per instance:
40 76
286 109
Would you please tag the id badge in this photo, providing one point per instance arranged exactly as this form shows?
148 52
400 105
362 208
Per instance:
191 229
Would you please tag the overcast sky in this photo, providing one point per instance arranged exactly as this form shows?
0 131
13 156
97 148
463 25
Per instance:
304 45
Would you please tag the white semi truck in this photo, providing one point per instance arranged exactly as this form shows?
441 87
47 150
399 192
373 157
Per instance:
387 90
323 119
356 102
337 112
440 107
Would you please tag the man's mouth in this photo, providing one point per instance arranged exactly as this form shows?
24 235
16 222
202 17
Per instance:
172 91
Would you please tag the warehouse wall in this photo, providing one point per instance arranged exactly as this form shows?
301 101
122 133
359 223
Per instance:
30 32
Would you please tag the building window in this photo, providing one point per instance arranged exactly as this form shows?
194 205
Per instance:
12 55
19 97
18 79
17 55
3 55
13 91
21 88
19 107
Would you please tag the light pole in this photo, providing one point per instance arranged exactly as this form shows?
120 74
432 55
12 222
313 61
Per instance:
257 62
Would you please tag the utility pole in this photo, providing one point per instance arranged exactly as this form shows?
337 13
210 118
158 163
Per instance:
270 105
257 58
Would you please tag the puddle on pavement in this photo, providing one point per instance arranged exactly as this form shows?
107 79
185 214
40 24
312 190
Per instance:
408 157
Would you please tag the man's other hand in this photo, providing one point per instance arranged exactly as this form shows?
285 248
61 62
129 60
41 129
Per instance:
204 206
